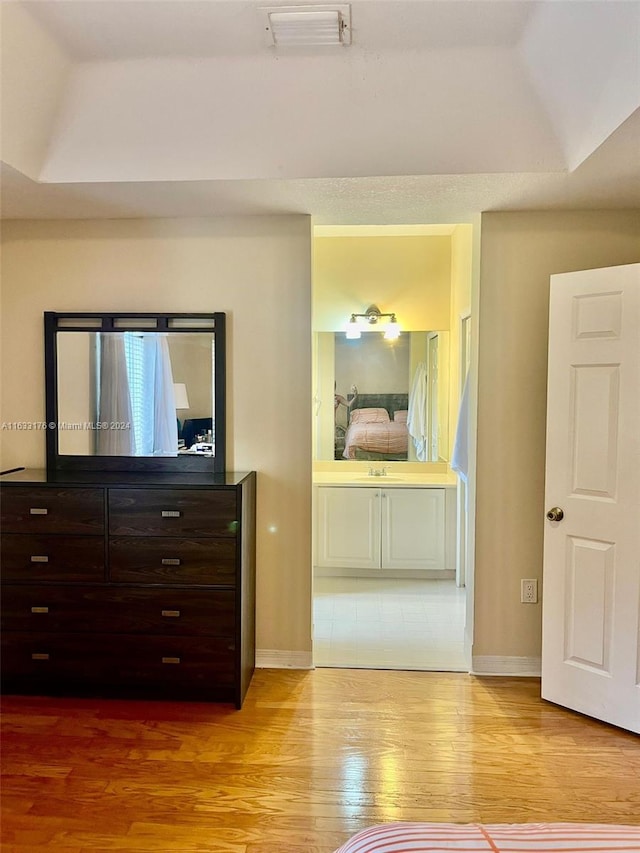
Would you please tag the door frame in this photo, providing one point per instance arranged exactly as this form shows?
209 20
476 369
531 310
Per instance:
462 510
470 314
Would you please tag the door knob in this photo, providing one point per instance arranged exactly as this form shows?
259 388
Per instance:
555 514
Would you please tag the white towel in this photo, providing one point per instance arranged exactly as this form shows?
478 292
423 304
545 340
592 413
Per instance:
417 417
460 455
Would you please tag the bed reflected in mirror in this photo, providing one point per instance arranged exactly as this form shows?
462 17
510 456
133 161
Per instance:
390 398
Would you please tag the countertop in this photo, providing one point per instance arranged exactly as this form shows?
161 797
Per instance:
357 478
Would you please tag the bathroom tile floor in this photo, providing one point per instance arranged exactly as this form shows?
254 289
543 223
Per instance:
371 623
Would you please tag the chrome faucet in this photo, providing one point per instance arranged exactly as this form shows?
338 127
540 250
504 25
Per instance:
377 472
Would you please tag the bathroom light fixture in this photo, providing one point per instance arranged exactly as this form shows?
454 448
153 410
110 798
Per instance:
371 317
302 26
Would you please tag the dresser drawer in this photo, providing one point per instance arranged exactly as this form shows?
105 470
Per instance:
99 663
173 512
158 560
118 610
52 558
27 509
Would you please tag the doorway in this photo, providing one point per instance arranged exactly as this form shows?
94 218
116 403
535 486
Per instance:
373 623
377 618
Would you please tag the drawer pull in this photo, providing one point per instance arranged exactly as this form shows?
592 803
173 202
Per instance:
38 511
35 559
39 609
170 660
171 513
39 656
170 561
174 614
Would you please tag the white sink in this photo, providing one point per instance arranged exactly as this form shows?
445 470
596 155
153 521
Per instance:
378 481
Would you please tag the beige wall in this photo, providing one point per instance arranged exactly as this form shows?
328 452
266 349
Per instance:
192 365
257 269
35 72
76 391
519 253
461 280
408 275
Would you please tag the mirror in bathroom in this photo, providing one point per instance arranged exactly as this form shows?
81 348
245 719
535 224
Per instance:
379 399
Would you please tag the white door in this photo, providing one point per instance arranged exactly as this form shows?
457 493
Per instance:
413 528
348 527
591 598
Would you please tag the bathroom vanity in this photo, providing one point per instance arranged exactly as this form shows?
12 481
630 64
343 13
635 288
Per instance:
385 526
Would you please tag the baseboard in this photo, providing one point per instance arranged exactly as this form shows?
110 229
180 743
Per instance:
501 665
481 664
282 659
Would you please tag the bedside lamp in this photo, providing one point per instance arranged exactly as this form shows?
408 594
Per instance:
180 394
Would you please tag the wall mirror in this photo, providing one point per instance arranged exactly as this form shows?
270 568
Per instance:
383 400
135 392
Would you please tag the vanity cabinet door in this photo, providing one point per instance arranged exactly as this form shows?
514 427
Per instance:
413 528
348 528
385 530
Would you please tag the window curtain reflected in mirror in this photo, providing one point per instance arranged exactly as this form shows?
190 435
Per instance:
165 423
136 387
114 401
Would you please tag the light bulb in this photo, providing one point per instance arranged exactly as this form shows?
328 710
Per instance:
392 331
353 329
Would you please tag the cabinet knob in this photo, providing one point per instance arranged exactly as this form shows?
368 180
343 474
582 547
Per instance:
170 513
170 561
39 609
171 614
36 559
170 660
35 510
39 656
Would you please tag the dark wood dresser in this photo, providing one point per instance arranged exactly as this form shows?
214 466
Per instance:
128 585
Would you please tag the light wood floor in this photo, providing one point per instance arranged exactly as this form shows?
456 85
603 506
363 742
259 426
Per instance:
312 758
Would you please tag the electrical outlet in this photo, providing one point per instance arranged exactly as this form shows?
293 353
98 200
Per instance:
529 591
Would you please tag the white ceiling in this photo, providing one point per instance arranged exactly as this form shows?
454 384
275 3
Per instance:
439 110
135 29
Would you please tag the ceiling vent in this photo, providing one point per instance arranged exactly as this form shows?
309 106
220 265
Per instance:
304 26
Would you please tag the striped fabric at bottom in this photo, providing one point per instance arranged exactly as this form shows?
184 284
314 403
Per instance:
495 838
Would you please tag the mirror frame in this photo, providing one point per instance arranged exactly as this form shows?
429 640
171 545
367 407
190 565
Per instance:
175 323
